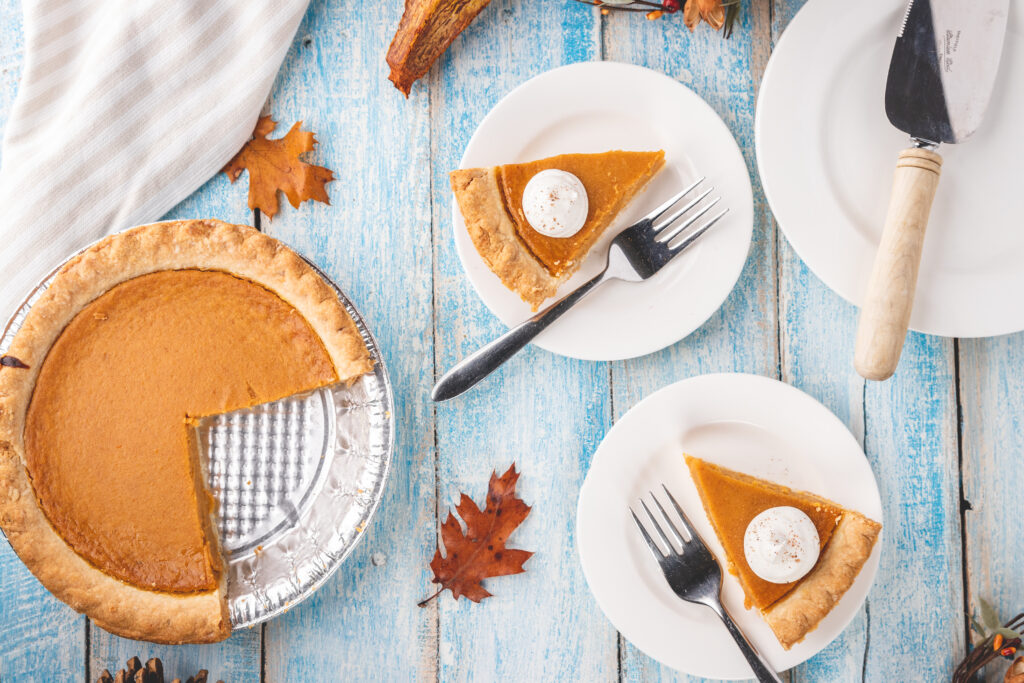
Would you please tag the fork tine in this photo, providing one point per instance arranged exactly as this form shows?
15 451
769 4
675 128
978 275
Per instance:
672 231
656 214
679 213
694 536
655 550
661 532
690 239
668 520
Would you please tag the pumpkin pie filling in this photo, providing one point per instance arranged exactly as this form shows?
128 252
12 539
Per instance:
107 441
731 500
846 537
611 179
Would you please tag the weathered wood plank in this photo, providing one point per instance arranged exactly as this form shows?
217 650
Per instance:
218 198
817 329
374 241
542 411
42 639
238 658
911 443
543 625
908 427
235 659
742 335
816 338
991 376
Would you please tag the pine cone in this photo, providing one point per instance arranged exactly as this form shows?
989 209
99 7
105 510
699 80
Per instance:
152 672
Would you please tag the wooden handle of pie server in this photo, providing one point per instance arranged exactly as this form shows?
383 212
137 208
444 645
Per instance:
885 315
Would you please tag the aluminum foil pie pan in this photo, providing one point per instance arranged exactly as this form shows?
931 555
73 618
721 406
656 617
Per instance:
296 480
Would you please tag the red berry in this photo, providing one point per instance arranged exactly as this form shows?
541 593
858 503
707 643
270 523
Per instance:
670 5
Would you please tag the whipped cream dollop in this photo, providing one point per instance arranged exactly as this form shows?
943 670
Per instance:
555 203
781 544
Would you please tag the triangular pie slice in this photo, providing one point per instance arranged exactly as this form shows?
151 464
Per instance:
102 492
527 262
732 499
426 30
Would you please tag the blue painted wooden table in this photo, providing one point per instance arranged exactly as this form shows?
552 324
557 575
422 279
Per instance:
942 435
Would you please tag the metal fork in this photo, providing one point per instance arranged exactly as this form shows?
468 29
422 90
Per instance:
637 253
694 575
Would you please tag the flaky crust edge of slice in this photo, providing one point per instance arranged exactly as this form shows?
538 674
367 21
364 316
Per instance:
801 610
112 604
494 235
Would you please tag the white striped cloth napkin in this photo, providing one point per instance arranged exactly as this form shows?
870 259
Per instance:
124 109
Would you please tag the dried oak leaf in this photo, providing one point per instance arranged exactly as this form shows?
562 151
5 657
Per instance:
480 552
710 11
275 165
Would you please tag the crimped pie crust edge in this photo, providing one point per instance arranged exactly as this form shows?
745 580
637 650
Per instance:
116 606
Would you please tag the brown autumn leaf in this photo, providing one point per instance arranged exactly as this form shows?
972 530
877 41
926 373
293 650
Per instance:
710 11
276 165
480 552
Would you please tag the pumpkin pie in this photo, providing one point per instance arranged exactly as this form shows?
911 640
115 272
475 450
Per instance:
528 262
792 610
102 489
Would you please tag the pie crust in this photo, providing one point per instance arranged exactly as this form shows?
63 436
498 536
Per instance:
488 214
802 608
121 608
494 235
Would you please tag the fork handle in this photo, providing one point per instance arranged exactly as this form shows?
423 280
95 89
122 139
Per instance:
762 670
489 358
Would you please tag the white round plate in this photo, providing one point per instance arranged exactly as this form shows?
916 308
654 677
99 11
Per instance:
826 153
745 422
596 107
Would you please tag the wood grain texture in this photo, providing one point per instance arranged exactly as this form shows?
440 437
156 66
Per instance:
911 438
817 331
387 241
742 335
238 658
908 428
544 412
889 300
40 637
374 241
991 376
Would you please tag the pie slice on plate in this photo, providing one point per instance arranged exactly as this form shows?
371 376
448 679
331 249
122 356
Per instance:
529 262
102 490
846 538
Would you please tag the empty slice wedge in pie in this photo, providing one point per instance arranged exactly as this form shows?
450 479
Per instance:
102 490
530 262
733 499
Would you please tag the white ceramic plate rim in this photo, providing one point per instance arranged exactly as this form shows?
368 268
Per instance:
682 297
806 68
618 569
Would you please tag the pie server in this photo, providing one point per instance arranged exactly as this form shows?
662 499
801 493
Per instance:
941 77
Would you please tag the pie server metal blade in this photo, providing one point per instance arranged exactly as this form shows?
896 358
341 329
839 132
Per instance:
941 77
944 66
